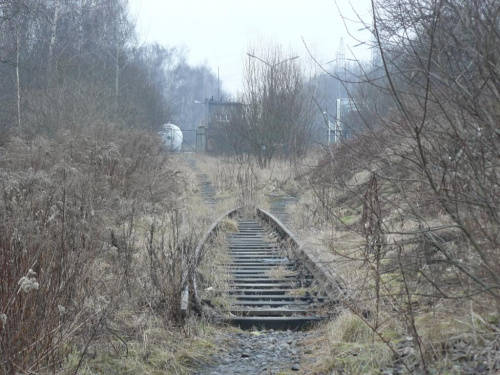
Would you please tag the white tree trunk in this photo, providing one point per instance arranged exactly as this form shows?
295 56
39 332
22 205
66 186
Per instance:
53 37
18 83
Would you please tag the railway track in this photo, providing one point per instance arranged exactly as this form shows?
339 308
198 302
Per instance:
269 286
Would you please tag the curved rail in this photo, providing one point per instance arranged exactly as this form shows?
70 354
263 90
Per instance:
267 287
209 234
313 265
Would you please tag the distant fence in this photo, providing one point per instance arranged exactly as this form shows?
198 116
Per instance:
188 140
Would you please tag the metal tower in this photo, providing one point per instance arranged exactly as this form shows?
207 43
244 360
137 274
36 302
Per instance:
375 53
340 69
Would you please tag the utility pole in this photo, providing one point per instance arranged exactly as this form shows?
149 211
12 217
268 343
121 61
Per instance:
341 68
327 120
342 78
271 67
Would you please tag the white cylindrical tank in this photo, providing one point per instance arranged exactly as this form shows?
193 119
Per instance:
172 136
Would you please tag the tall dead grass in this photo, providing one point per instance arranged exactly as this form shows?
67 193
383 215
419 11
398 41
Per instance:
247 181
91 225
399 256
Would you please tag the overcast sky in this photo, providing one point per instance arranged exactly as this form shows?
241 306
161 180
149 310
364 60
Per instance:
218 32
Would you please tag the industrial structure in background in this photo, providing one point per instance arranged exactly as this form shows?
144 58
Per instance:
341 127
211 130
347 122
335 129
344 105
172 137
210 133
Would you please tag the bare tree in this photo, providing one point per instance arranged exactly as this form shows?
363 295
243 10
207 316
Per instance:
442 64
433 150
276 118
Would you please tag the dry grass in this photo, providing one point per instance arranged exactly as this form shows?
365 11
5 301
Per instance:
108 223
279 272
158 350
250 184
347 346
412 285
213 277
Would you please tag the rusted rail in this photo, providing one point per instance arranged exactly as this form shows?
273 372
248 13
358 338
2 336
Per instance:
319 271
192 284
269 285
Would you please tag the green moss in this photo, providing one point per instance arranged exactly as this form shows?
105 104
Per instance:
492 318
348 219
390 283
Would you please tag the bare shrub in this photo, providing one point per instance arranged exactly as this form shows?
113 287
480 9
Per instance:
434 156
70 218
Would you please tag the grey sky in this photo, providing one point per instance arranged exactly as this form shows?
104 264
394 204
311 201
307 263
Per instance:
219 32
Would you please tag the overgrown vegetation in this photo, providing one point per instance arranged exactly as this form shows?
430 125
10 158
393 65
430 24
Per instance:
248 183
95 244
275 118
407 209
98 225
